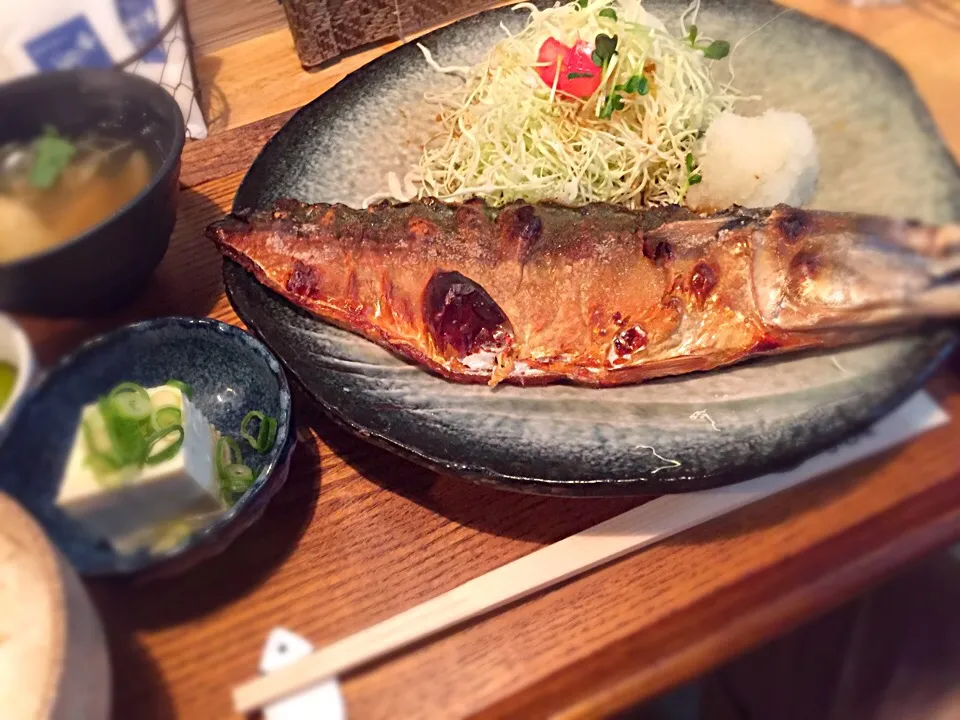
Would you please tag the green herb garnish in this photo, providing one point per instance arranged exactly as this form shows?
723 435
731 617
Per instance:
130 401
127 440
126 430
52 154
266 435
237 479
155 458
164 417
181 386
604 49
717 50
228 453
582 4
636 84
575 75
123 430
692 179
608 13
613 103
235 476
100 454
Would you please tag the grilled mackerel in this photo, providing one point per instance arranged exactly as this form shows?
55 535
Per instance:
600 295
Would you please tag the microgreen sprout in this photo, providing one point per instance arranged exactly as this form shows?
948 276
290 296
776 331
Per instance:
715 50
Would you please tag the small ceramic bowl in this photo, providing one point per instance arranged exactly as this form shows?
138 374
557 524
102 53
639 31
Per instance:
110 263
231 373
14 349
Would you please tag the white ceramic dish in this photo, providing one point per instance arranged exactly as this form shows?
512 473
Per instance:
15 349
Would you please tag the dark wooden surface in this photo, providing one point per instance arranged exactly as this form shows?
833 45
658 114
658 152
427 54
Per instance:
891 653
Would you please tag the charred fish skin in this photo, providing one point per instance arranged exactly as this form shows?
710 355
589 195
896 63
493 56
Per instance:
597 295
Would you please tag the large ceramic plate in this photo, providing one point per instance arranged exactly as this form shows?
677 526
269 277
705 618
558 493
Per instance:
880 153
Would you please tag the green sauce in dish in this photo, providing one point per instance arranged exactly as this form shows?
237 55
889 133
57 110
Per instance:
8 376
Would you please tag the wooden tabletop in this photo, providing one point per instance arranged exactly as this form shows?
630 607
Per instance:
357 535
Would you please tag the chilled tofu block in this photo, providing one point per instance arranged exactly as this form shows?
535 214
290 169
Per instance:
125 503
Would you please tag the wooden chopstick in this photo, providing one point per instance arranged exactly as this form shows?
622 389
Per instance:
540 569
603 543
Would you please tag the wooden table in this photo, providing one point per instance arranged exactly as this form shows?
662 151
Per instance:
357 535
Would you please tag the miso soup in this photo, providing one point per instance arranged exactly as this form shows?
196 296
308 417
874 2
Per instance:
53 189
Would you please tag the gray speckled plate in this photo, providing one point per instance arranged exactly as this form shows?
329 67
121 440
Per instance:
879 153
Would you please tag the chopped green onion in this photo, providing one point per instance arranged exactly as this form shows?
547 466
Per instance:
95 434
267 434
100 455
245 423
182 387
126 387
166 416
170 450
131 401
128 430
228 453
268 438
129 445
237 478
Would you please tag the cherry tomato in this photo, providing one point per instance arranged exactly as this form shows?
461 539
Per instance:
573 61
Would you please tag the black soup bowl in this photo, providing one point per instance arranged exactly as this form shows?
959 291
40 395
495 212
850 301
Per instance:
104 267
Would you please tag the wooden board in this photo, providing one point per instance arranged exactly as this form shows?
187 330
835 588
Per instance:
216 24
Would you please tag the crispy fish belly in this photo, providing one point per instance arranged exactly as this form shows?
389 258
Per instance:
599 295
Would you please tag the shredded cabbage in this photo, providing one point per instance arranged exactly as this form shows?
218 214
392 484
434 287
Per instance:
508 135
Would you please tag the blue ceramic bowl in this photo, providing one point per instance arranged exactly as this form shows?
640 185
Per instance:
231 373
